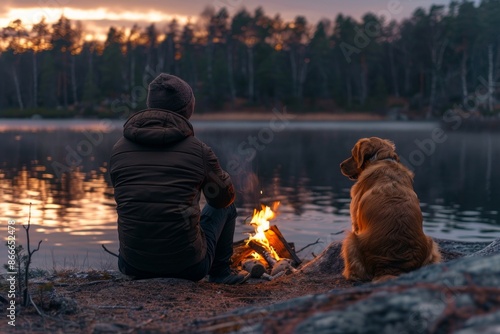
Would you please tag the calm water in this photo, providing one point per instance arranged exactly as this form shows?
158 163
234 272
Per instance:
61 168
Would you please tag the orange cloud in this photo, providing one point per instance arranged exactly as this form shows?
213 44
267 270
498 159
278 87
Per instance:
30 16
96 21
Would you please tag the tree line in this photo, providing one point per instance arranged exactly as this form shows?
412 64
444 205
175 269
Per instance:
439 58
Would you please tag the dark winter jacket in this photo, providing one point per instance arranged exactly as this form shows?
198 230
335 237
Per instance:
158 169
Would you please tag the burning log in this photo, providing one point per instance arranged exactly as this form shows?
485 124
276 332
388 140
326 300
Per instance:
276 239
241 252
266 244
262 251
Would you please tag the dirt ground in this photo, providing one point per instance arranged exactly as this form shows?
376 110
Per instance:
111 303
108 302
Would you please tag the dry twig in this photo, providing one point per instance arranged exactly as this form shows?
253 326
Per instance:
108 251
36 308
26 297
311 244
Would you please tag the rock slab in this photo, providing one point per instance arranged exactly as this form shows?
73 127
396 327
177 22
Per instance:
458 296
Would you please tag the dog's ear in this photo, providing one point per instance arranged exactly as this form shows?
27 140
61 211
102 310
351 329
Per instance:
390 143
362 151
366 148
387 150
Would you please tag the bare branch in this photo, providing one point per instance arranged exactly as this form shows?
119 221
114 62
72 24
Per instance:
108 251
29 221
26 295
309 245
37 248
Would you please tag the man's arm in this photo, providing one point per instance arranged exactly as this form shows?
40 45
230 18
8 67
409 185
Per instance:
217 186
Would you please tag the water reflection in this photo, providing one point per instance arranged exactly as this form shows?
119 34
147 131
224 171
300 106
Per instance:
74 212
70 204
69 213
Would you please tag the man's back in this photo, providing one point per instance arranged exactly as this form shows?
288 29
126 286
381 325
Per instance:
158 170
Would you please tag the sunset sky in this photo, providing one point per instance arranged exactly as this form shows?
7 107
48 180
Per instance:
99 15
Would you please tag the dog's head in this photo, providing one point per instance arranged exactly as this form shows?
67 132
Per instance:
366 151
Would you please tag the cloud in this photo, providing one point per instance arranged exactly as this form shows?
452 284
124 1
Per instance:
127 12
173 7
288 9
32 15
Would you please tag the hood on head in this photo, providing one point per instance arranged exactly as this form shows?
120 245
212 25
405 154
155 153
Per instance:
153 127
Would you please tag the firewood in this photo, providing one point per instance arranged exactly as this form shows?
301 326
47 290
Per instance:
280 245
240 254
254 267
267 276
262 252
283 265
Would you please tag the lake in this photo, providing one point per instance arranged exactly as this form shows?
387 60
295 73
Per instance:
61 168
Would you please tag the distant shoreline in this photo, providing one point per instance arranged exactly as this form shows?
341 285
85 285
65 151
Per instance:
290 123
239 116
262 116
231 120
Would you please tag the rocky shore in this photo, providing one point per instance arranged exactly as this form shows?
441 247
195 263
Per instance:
461 295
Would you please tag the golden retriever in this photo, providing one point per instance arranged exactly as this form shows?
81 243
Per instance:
387 237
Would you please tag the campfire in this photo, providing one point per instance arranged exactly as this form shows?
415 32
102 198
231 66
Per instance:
265 253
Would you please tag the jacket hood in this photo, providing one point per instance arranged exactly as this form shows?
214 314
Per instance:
157 127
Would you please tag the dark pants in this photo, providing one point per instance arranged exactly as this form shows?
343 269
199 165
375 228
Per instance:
218 226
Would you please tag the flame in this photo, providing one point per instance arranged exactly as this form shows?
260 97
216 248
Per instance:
260 222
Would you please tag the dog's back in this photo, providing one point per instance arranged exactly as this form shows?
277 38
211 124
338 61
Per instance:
391 236
388 237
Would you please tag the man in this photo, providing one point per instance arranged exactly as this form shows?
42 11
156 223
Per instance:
158 170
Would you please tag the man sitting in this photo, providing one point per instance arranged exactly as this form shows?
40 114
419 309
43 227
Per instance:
158 171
